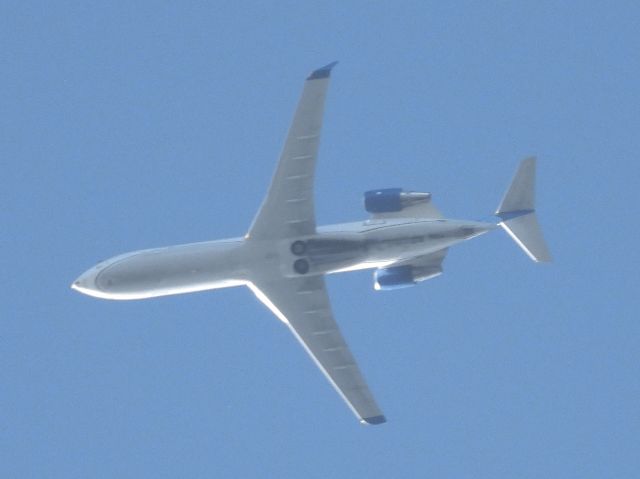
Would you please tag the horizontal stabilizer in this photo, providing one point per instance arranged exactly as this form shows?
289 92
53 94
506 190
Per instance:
526 232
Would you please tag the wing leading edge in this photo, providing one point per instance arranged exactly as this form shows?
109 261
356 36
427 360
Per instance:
303 304
288 208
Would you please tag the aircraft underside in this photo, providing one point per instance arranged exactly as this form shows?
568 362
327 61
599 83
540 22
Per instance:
284 256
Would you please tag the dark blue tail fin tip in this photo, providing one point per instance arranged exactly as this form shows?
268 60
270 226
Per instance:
323 72
375 420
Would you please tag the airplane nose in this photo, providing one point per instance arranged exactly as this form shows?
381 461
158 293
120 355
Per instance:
79 284
85 283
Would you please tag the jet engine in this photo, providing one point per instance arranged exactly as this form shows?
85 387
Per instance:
393 278
396 277
390 200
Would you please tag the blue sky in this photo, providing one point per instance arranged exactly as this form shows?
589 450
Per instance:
125 127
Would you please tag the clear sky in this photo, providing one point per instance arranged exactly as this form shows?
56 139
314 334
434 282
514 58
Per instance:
127 126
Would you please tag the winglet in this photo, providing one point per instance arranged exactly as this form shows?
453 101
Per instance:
374 420
323 72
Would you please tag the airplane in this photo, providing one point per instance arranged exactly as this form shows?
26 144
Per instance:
284 256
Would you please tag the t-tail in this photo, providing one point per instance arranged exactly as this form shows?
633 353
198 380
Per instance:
518 213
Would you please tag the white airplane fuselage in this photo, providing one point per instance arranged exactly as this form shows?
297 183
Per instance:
225 263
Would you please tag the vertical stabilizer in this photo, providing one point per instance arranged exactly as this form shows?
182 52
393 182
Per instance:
518 215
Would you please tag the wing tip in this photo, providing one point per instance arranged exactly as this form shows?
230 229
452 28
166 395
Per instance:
322 72
374 420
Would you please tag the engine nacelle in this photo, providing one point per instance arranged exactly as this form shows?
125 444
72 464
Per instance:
391 200
397 277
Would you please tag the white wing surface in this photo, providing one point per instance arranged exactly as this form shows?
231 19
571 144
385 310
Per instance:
288 209
303 304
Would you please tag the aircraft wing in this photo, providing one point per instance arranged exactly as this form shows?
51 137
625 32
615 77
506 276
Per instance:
288 209
303 304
